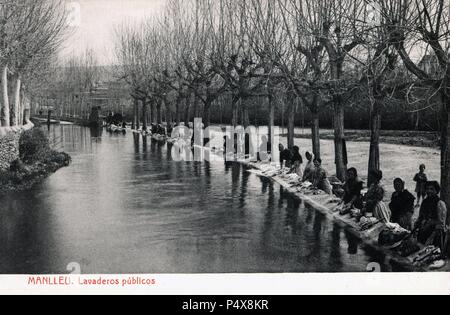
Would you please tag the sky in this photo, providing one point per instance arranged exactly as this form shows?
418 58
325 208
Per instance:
94 21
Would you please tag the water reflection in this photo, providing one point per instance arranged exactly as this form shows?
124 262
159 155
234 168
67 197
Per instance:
124 206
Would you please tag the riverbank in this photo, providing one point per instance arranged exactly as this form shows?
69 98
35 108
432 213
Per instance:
326 205
396 161
35 161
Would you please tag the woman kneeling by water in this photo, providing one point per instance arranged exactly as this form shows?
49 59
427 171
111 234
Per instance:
432 223
296 162
402 205
374 199
352 191
321 181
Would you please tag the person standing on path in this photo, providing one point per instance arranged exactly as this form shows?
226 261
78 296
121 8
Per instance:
421 180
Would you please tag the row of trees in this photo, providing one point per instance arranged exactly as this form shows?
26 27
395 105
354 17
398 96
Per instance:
69 89
30 34
318 53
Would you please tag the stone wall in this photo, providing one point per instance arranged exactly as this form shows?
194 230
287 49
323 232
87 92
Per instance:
9 144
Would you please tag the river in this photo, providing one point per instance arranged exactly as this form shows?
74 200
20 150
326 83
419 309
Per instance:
124 206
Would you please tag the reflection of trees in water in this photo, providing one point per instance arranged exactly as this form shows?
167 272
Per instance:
169 152
317 246
380 258
74 138
144 148
27 244
137 144
205 182
96 132
235 176
156 149
309 215
265 183
335 257
292 214
244 188
269 215
353 243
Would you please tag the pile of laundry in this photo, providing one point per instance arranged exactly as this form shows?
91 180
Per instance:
292 179
366 223
270 170
305 187
393 235
408 247
429 256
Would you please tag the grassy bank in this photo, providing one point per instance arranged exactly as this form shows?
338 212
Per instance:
37 161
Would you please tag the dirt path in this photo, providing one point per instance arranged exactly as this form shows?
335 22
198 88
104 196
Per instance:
413 138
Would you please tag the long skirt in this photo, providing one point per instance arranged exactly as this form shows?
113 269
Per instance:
298 170
382 213
326 186
429 235
404 220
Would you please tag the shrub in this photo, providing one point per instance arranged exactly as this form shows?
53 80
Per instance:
33 146
60 158
17 166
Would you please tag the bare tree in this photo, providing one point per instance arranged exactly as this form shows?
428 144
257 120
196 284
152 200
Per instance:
29 32
420 28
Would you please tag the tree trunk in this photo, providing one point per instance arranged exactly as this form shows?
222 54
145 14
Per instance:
5 116
154 112
246 118
445 150
133 124
187 110
144 115
291 125
159 113
291 121
169 115
339 138
26 115
138 118
245 114
315 133
271 116
178 110
375 129
207 114
15 114
196 105
417 123
235 111
151 111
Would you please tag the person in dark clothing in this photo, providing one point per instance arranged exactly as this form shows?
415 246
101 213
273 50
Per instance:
264 150
321 181
432 223
308 174
285 157
352 190
296 162
161 130
154 129
170 130
402 205
374 199
421 180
